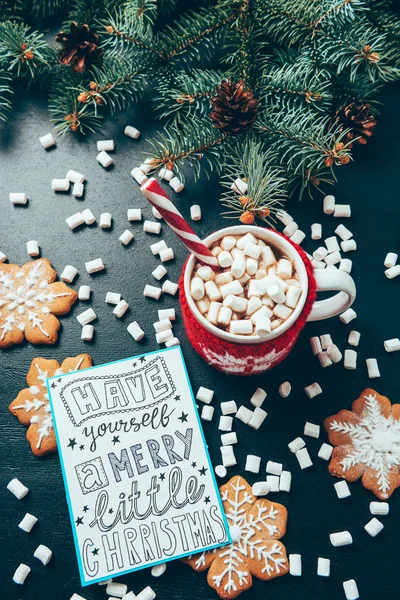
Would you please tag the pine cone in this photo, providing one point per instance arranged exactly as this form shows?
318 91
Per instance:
79 47
235 109
356 116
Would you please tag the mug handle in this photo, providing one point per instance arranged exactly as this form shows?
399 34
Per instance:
332 279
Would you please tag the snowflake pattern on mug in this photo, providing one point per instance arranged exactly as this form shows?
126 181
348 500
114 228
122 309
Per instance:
367 441
29 299
256 525
32 406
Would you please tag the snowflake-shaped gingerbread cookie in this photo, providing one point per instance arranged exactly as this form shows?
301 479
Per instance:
367 441
29 300
32 406
255 525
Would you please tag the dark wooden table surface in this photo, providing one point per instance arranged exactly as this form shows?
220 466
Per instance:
371 185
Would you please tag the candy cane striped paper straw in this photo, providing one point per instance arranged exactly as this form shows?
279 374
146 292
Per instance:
154 193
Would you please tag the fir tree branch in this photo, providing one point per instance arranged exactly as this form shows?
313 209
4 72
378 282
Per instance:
67 113
85 11
124 32
5 92
24 52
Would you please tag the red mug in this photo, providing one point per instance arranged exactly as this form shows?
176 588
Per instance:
252 355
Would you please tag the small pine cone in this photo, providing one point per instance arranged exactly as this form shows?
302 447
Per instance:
79 47
234 108
247 218
358 118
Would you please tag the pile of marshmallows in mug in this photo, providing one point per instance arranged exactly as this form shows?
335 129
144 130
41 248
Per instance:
255 291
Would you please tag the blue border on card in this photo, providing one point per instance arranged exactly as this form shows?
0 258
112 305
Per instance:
85 583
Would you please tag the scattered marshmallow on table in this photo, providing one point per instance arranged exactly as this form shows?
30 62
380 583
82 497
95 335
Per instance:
69 273
296 444
373 527
274 468
342 489
372 368
112 298
285 481
105 145
165 174
229 407
393 272
390 260
227 439
324 359
392 345
346 265
315 344
17 488
172 342
157 571
18 198
28 522
147 166
348 245
260 488
94 266
273 482
347 316
334 353
324 567
290 228
152 227
87 333
169 287
47 141
116 589
88 216
159 272
354 338
86 317
146 594
258 397
312 430
166 313
225 423
105 220
158 247
313 390
253 463
132 132
379 508
138 175
43 553
303 458
316 231
257 418
129 595
32 248
162 325
78 190
244 414
284 389
207 412
21 574
341 538
350 589
75 176
195 212
151 291
342 211
220 470
134 214
204 395
135 330
329 204
60 185
120 309
126 237
350 359
295 567
228 456
166 254
3 257
325 451
284 217
298 236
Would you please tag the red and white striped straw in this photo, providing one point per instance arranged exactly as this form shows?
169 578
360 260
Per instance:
154 193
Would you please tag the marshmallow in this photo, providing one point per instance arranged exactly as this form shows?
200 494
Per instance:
158 247
104 159
392 345
295 567
324 567
276 293
69 273
32 248
313 390
132 132
354 338
379 508
172 342
19 197
304 458
238 266
342 211
341 538
284 217
166 254
334 353
86 317
290 228
213 311
326 341
296 444
195 212
105 145
298 236
113 298
227 439
344 233
224 316
248 238
284 389
162 325
105 220
393 272
93 266
126 237
350 360
75 176
138 175
324 359
147 166
197 288
311 430
129 596
342 489
176 184
325 451
159 272
348 245
257 418
331 244
268 256
17 488
166 174
169 287
315 344
274 468
205 273
240 327
320 253
258 397
135 330
329 204
350 590
150 291
273 482
47 140
316 231
204 395
116 589
390 260
157 571
236 303
348 316
28 523
225 259
285 481
220 471
88 216
120 309
57 185
244 414
21 574
166 313
253 250
372 368
333 258
251 269
346 265
78 190
281 311
43 553
228 456
239 186
135 214
87 333
260 488
253 463
3 257
152 227
284 268
207 413
146 594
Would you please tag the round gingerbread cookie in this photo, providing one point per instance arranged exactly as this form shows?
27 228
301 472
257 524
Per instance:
29 300
32 406
256 525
